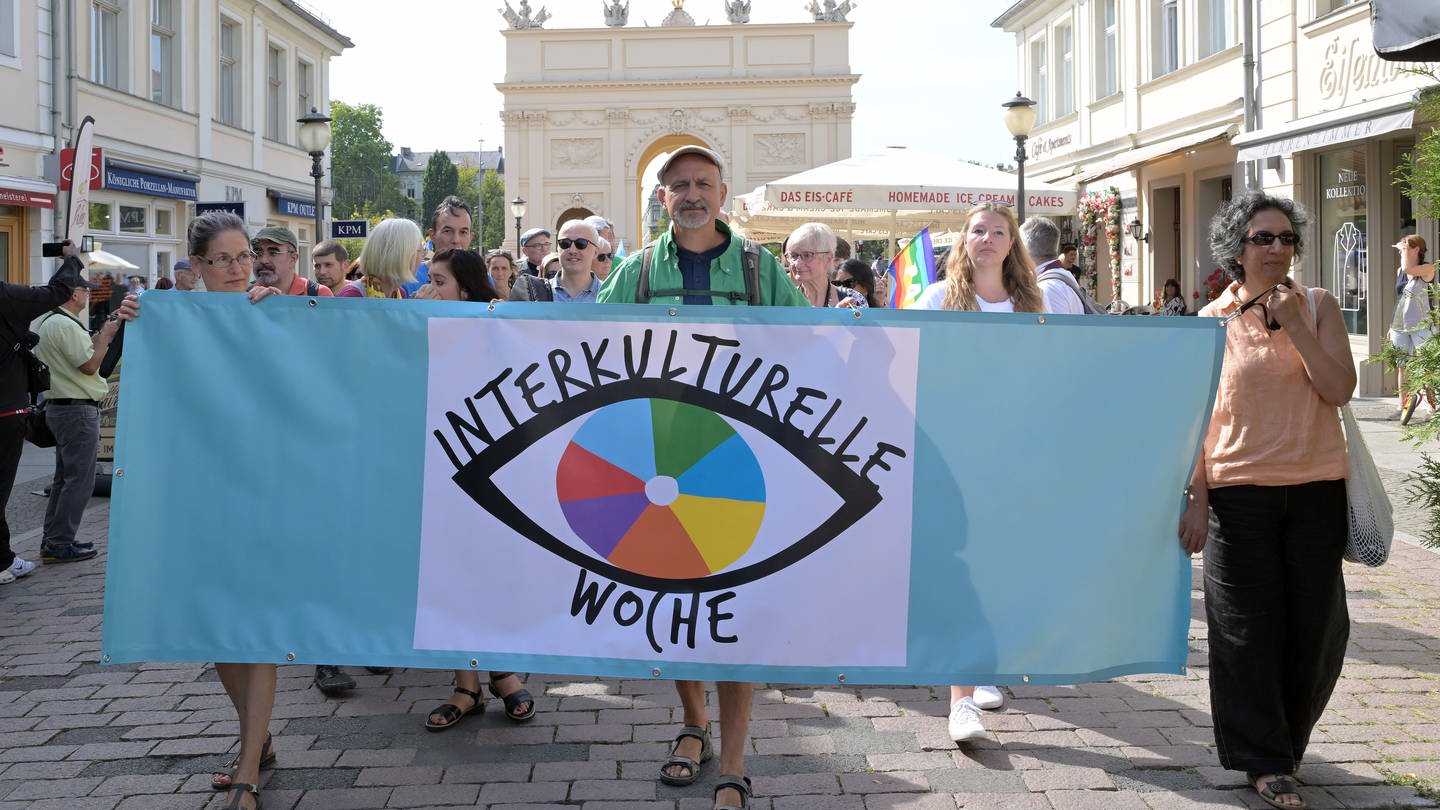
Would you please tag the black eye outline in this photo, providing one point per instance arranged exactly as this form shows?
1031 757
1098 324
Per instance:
858 496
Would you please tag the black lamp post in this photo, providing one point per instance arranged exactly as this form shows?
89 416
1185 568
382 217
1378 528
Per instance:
314 137
517 208
1019 118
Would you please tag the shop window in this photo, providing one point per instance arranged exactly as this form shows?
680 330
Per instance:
164 222
132 219
1342 249
1107 60
100 217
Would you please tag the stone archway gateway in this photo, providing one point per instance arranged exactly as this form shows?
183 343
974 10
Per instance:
587 110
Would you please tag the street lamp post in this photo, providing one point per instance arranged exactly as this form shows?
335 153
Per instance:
314 137
1019 118
517 208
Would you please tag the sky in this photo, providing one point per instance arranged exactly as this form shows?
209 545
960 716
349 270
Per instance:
932 74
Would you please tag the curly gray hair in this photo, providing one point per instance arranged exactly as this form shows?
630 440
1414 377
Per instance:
1230 225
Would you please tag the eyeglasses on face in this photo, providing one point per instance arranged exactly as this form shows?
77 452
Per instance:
605 257
225 260
1265 238
581 243
805 255
847 283
541 246
272 253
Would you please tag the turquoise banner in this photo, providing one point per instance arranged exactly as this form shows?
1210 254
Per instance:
775 495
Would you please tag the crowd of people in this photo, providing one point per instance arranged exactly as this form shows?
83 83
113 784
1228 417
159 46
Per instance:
1271 469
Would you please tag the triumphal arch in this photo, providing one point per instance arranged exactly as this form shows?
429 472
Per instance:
587 109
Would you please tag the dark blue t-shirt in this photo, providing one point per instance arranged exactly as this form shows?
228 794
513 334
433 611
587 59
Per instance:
695 270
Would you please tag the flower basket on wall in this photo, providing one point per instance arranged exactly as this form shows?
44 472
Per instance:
1099 210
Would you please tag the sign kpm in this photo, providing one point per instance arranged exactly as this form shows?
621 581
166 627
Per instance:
349 229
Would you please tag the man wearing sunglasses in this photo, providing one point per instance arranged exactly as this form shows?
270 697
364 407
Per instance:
603 260
579 244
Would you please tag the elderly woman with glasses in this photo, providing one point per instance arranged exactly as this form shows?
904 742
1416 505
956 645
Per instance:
808 254
1273 468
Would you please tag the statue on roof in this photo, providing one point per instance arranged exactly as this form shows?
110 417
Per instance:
617 14
524 18
832 12
738 11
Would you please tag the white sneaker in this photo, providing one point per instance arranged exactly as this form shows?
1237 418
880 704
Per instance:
17 569
989 697
965 721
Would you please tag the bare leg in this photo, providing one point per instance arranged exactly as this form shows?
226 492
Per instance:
252 689
735 700
692 698
958 692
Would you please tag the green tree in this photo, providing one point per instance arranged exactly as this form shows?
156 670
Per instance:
360 161
469 191
441 180
497 211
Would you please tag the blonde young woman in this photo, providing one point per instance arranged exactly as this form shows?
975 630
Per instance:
991 273
390 258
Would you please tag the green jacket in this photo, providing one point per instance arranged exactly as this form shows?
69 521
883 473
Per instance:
727 274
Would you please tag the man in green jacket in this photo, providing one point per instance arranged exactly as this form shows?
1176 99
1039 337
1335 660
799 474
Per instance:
698 261
698 254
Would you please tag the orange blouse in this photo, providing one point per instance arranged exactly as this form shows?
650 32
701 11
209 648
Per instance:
1269 426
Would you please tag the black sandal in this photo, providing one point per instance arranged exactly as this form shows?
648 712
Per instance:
739 784
513 700
450 714
222 780
241 791
1279 785
693 766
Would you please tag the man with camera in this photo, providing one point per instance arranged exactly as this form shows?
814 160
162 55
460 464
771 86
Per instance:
72 411
19 305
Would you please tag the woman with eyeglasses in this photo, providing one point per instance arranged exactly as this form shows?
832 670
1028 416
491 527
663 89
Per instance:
502 269
808 251
220 250
391 256
1416 291
991 272
1273 468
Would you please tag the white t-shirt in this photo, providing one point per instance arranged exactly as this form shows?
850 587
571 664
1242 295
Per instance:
1060 299
934 297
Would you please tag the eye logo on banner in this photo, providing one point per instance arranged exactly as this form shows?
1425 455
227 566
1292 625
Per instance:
672 468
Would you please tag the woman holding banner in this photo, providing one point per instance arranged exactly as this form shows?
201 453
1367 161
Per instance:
1273 468
457 274
220 249
992 273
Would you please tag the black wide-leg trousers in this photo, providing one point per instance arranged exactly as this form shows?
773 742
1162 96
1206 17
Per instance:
1278 624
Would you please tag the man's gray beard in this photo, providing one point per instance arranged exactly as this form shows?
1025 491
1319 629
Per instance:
267 277
702 218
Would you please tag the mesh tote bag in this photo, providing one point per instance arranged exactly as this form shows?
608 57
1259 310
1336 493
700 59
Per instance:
1372 524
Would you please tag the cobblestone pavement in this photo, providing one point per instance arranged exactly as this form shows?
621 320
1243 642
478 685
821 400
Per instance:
80 736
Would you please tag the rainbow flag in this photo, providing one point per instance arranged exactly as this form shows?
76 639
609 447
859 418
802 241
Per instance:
914 270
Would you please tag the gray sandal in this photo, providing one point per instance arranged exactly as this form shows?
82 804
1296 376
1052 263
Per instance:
740 784
693 766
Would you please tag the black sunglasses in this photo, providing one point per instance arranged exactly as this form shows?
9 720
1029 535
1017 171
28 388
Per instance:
1265 238
604 257
1270 323
847 283
581 243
